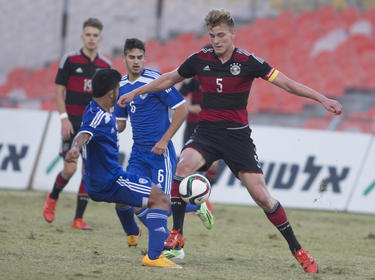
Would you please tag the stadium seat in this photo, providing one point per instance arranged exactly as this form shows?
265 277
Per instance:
333 85
357 126
349 15
317 123
48 104
364 116
119 65
308 26
367 62
328 19
346 60
18 77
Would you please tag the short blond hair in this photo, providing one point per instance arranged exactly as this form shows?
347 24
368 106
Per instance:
217 16
93 22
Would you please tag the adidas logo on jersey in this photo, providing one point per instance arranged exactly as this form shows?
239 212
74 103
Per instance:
206 68
79 70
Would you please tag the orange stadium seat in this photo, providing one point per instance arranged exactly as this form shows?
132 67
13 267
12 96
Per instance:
329 73
357 126
317 123
267 96
308 26
370 15
48 104
18 77
349 15
366 116
367 62
328 18
119 65
345 58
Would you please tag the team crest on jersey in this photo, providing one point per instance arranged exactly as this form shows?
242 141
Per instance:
142 181
235 69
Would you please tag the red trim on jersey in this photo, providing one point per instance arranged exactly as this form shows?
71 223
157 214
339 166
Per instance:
237 116
207 56
100 63
240 57
78 59
228 84
75 110
77 84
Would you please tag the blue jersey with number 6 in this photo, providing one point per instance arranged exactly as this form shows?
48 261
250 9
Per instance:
149 117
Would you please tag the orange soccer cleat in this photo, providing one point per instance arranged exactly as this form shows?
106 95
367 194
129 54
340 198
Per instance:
175 240
78 223
161 261
49 208
134 239
306 261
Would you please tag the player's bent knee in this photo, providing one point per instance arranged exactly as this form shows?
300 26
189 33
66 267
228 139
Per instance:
158 199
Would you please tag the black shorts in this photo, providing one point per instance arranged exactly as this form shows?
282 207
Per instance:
189 130
234 146
65 145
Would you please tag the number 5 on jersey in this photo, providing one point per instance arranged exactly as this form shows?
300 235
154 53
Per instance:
219 83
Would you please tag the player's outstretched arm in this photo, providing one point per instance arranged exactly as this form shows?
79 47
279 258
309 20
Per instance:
178 118
66 125
296 88
78 141
163 82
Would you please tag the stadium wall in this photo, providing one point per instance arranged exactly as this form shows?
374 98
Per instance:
306 169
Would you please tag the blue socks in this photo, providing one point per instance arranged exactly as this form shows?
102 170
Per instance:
126 216
142 216
157 230
191 207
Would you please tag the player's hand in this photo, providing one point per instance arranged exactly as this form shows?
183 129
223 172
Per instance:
126 98
72 155
160 147
195 109
332 105
66 129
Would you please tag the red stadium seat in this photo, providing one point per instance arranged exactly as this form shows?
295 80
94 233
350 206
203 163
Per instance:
18 77
357 126
349 15
49 104
345 58
328 19
308 26
333 82
317 123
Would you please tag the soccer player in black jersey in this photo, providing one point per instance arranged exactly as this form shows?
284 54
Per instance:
226 74
73 94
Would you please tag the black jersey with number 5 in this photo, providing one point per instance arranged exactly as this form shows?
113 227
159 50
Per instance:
225 86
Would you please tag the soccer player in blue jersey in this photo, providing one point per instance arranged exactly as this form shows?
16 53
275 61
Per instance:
226 74
104 178
153 154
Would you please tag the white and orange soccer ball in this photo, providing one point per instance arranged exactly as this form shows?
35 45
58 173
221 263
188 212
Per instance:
195 189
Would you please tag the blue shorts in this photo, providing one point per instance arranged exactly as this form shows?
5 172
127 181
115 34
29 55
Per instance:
128 189
160 168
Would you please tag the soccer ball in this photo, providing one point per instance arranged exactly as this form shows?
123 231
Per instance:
195 189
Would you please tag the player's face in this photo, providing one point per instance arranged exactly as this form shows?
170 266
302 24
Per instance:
91 38
221 37
135 60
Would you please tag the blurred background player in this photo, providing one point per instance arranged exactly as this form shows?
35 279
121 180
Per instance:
153 153
226 74
73 94
104 177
